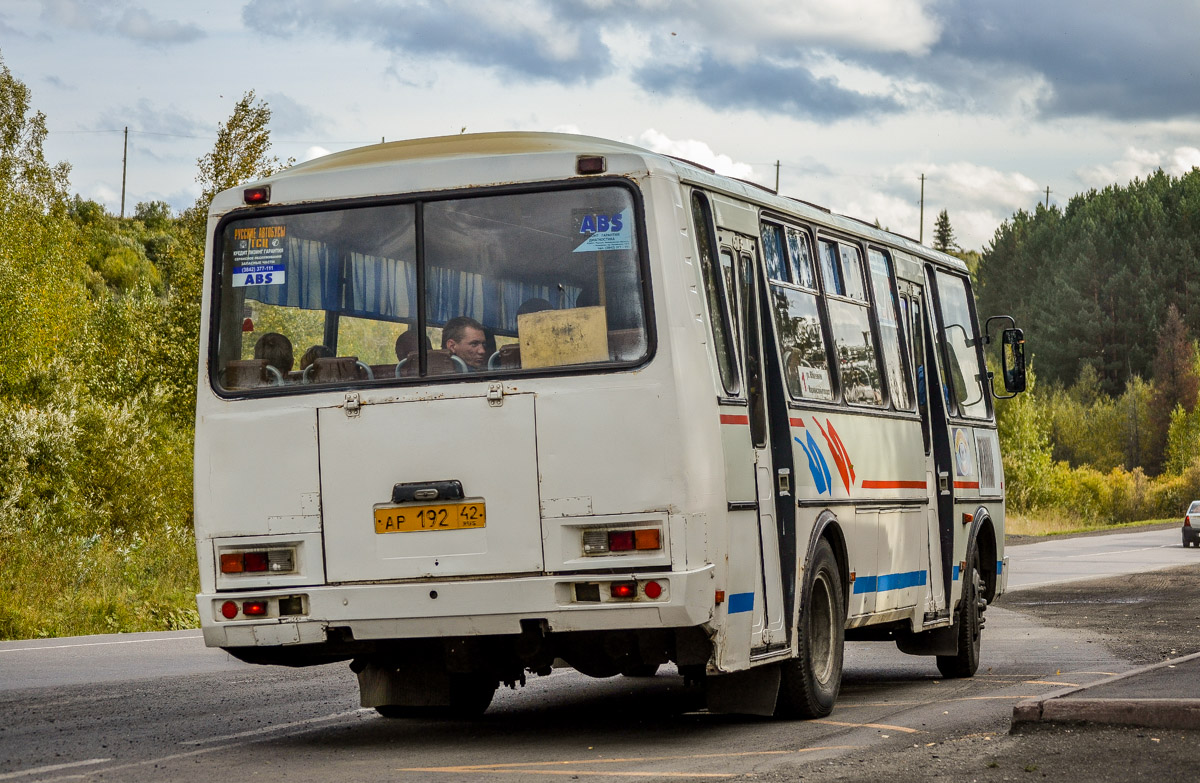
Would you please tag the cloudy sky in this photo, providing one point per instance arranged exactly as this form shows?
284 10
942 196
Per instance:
992 100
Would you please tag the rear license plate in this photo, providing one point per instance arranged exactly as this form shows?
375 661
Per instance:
437 516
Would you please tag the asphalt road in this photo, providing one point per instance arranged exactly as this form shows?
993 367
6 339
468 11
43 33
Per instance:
162 707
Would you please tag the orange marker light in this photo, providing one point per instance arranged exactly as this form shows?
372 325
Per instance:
647 539
232 563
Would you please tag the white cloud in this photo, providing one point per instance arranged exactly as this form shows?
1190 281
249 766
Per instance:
868 25
1137 163
695 151
313 152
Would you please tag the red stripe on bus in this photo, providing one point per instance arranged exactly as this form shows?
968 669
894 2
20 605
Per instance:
796 422
966 485
893 484
732 418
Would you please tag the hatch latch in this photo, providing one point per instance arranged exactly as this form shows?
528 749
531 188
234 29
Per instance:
353 406
495 394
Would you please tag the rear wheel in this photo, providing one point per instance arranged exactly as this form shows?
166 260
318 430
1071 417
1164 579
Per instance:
809 683
970 626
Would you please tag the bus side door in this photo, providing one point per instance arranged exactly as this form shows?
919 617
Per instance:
738 259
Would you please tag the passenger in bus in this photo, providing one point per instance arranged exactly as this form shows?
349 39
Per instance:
406 344
314 353
277 350
464 337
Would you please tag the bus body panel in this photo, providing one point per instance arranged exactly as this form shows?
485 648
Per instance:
488 449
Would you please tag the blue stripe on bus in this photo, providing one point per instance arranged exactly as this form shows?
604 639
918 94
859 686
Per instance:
881 584
999 567
740 602
955 573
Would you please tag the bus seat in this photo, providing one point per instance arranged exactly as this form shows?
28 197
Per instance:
442 362
332 369
250 374
383 370
507 358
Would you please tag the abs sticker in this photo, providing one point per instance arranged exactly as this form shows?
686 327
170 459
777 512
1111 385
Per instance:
259 274
258 255
603 231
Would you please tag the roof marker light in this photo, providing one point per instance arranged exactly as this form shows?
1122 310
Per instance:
590 164
259 195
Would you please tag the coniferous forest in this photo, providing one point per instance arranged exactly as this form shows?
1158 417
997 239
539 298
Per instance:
98 361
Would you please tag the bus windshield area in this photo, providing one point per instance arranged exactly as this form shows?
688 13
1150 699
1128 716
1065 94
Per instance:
491 284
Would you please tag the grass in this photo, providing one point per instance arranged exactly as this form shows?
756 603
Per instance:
1053 523
76 585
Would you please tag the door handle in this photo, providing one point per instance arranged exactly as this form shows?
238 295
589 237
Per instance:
944 482
783 478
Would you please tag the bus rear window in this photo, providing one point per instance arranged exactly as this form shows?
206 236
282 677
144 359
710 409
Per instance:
390 293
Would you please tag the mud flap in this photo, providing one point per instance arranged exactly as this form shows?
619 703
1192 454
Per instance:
388 685
750 692
940 641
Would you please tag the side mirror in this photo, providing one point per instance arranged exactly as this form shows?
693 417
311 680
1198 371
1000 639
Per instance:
1012 356
1012 360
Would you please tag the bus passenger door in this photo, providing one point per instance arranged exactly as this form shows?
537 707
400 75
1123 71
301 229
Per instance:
738 258
939 467
913 305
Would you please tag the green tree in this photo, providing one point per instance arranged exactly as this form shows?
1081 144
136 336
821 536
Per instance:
943 234
241 154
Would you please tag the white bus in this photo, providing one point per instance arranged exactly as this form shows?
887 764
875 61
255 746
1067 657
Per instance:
481 406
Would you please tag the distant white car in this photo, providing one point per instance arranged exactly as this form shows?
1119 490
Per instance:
1191 533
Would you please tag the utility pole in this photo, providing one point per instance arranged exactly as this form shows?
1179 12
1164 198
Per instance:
776 177
921 231
124 161
1047 197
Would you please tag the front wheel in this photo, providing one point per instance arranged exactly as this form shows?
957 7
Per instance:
970 626
809 683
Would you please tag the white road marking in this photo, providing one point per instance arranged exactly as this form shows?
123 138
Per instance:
276 727
100 644
51 768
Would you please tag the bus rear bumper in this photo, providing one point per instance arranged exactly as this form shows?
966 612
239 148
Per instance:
459 608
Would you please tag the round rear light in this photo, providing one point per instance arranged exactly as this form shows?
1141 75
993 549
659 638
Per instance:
653 589
229 610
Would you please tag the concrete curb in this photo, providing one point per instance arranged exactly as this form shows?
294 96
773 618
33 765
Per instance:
1064 706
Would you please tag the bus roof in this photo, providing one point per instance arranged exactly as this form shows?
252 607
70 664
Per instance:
507 143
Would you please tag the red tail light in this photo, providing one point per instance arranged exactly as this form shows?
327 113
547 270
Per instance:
624 590
1187 521
254 608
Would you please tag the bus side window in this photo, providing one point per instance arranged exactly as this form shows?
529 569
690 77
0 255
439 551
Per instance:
889 328
962 371
714 290
917 347
798 320
850 323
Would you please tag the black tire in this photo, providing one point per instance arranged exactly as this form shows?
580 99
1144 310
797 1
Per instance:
970 626
809 683
470 697
642 670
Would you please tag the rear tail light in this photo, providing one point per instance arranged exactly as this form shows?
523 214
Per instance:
1187 521
259 561
254 608
601 541
624 589
620 541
